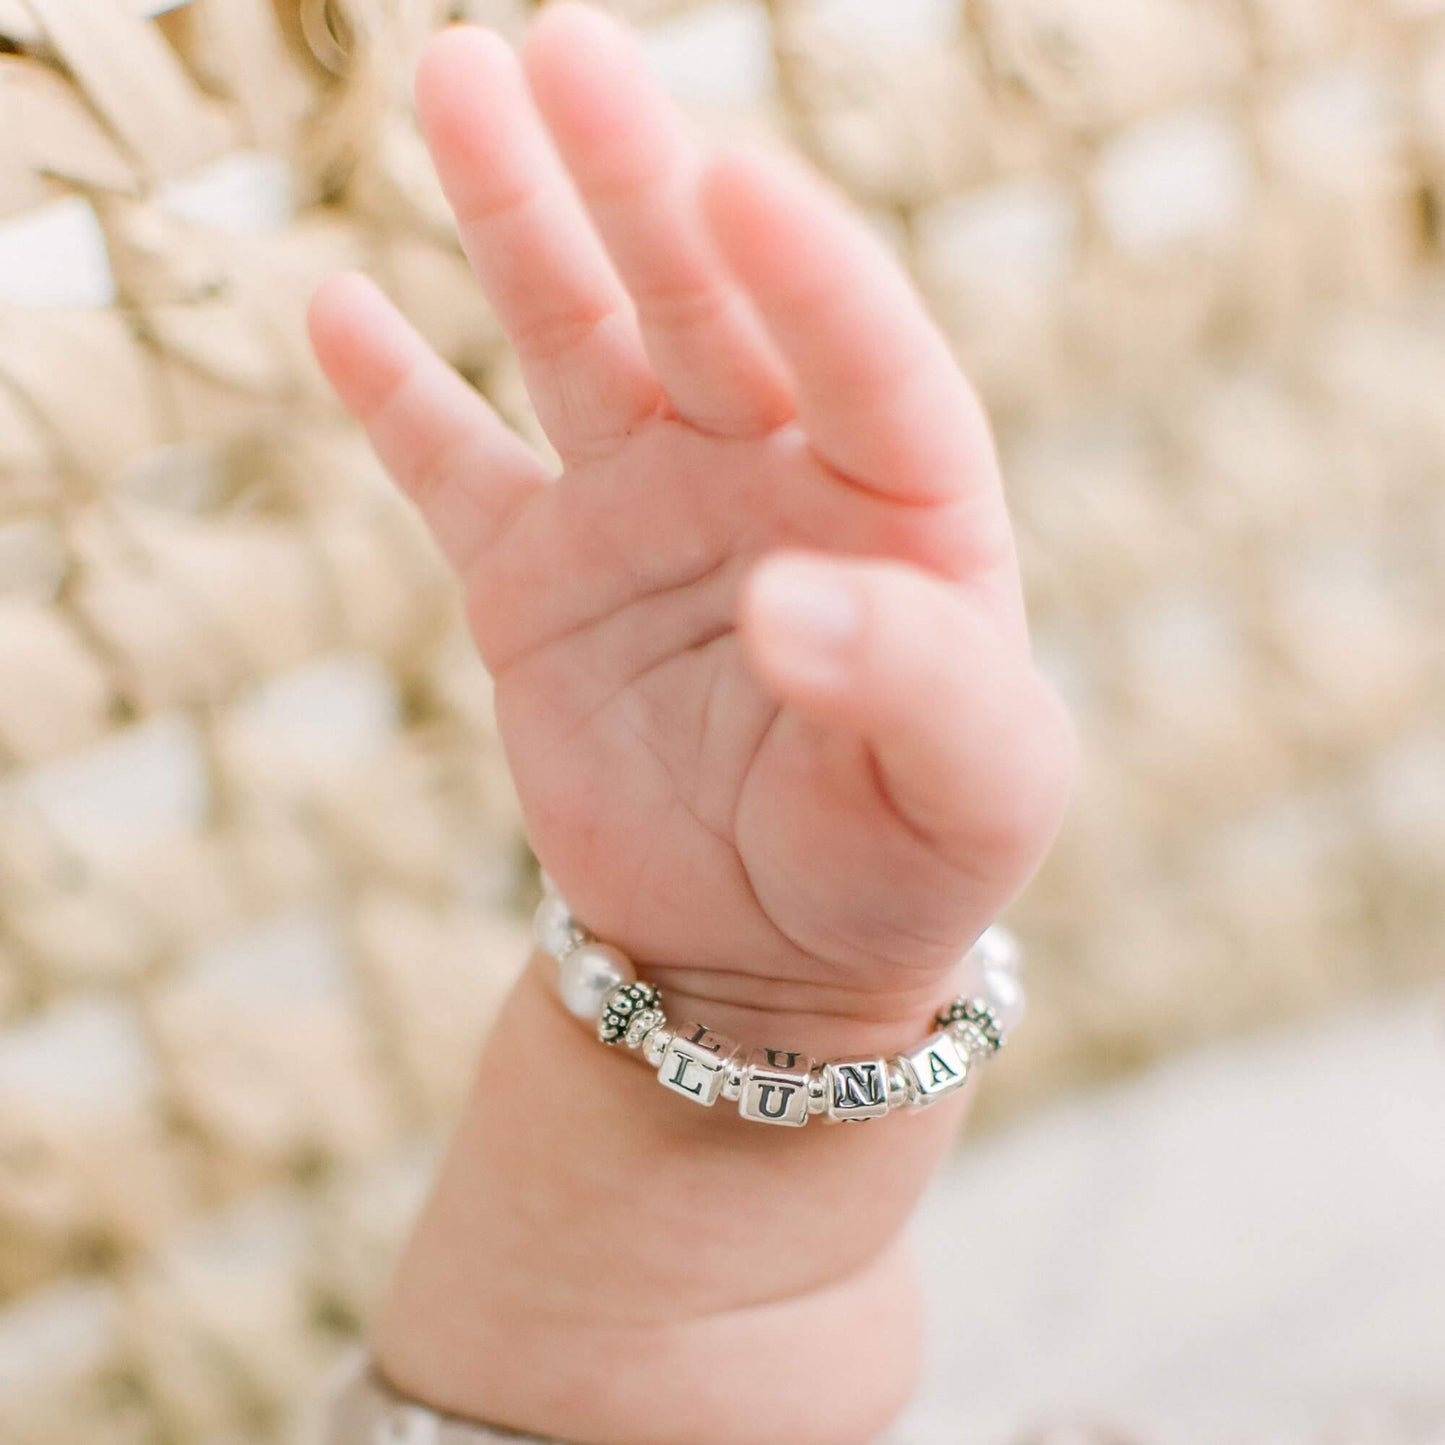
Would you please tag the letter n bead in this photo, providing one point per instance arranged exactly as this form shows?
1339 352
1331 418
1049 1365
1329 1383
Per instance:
775 1087
695 1063
857 1088
936 1068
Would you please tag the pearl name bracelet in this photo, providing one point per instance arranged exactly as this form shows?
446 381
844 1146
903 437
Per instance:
599 985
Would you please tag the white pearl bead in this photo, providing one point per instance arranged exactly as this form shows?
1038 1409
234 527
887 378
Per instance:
997 948
1004 994
589 974
995 951
552 926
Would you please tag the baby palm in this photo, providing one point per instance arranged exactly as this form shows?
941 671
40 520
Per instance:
760 660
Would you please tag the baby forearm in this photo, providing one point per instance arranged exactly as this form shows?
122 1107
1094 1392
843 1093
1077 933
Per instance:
602 1262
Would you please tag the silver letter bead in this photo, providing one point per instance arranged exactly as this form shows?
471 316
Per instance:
695 1063
775 1087
936 1067
857 1088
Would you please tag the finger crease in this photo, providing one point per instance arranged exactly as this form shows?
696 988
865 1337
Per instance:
481 213
677 308
550 338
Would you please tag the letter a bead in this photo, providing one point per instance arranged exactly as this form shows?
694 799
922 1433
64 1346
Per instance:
695 1063
775 1088
936 1068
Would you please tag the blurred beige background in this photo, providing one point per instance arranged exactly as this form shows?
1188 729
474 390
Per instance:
261 878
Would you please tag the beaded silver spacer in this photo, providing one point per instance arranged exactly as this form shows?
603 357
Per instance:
643 1022
974 1024
621 1005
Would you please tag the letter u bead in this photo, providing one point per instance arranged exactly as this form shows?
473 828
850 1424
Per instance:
775 1088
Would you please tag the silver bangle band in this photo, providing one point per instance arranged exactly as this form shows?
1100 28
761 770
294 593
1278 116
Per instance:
599 985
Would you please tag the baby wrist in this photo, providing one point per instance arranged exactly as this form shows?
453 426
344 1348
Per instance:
770 1083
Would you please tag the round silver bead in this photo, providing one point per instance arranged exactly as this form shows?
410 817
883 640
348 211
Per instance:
817 1090
589 973
554 928
654 1046
733 1085
899 1094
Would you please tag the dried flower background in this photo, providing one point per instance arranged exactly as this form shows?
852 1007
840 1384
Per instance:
259 868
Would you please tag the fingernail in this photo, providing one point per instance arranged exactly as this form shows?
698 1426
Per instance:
810 620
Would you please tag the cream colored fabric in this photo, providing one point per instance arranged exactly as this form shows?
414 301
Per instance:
363 1410
1240 1244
